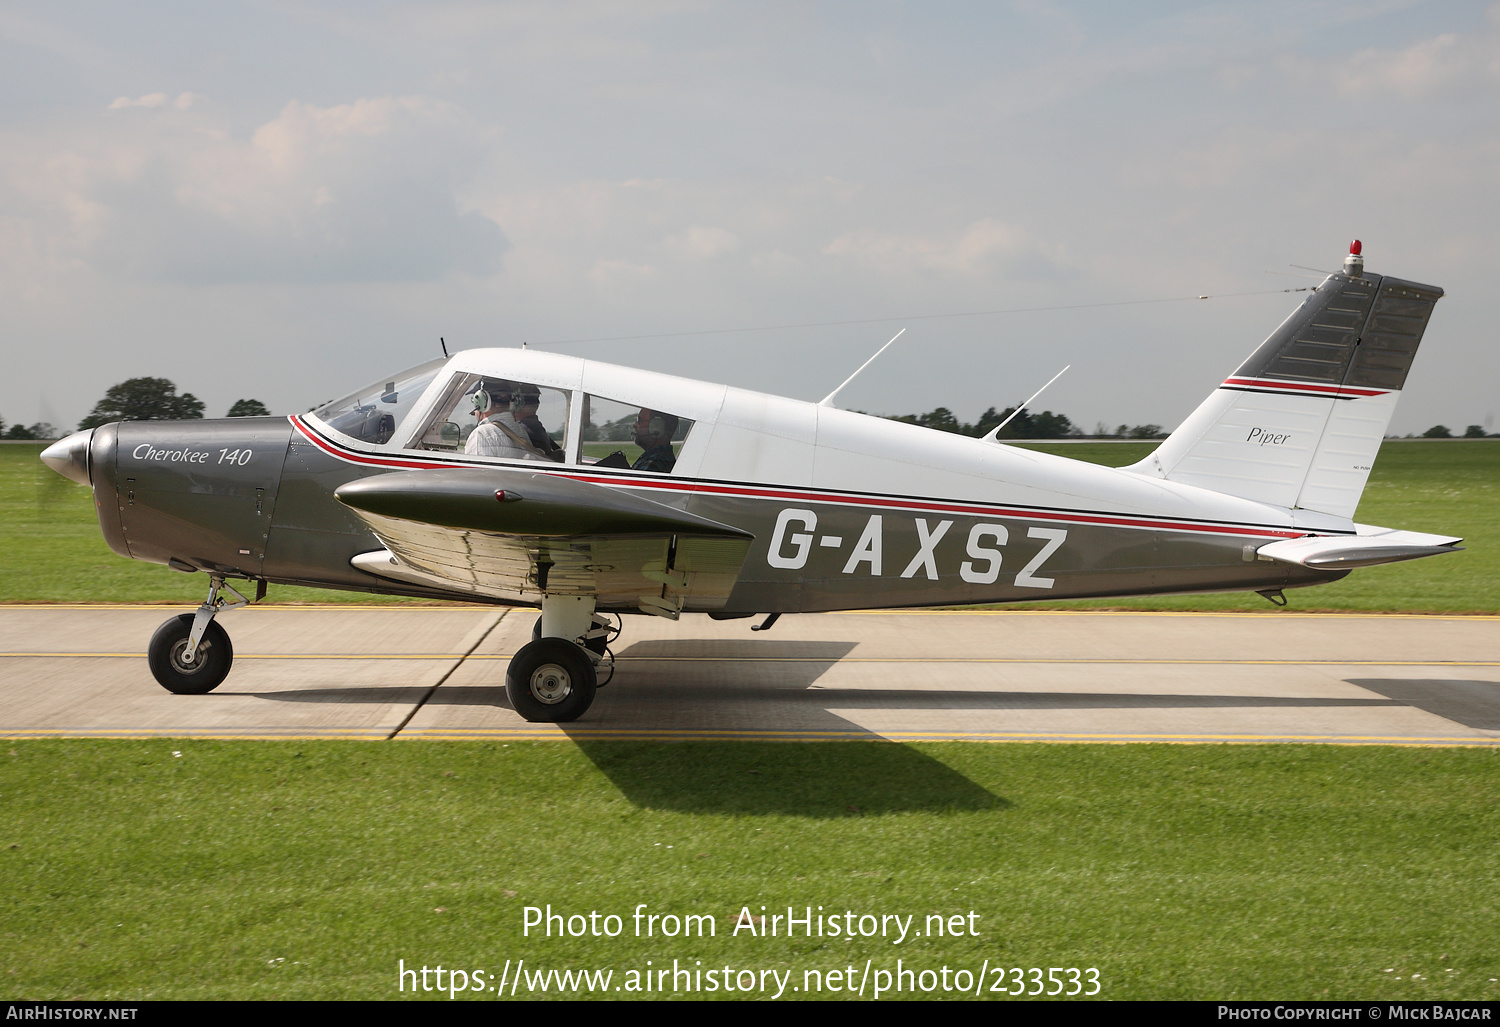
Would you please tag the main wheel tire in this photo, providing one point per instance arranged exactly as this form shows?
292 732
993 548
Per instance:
210 664
594 645
550 681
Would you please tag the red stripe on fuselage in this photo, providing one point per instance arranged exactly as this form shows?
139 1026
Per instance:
695 487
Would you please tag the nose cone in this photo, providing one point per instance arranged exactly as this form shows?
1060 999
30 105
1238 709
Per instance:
69 457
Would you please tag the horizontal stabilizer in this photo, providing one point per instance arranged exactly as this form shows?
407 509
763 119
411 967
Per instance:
1372 546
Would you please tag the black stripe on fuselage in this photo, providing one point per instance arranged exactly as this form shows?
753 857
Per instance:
801 493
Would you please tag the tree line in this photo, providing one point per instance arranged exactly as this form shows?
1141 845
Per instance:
1025 425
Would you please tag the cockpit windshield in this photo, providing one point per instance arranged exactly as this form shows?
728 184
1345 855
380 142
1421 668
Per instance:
374 413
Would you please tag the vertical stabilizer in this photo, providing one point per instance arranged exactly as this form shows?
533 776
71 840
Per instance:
1299 423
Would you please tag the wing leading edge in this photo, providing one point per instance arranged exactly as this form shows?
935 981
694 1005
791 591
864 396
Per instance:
518 535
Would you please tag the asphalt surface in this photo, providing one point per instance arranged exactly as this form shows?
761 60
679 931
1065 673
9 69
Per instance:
439 673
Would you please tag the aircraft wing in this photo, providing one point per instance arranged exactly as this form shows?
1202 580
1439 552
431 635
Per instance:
516 534
1370 546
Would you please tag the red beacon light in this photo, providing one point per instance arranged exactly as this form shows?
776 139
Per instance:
1354 264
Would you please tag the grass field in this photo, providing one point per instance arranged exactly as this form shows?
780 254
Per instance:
307 869
51 549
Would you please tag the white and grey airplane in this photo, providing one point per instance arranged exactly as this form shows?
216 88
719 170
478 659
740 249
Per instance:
590 490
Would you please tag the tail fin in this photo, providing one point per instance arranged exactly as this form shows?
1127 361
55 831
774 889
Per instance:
1300 422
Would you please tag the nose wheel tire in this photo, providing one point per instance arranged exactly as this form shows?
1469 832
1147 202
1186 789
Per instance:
550 681
209 666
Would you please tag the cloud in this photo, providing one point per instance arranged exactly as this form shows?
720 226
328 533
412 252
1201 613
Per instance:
985 246
705 241
1447 66
152 101
364 191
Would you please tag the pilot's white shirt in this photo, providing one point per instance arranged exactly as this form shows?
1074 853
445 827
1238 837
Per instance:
489 439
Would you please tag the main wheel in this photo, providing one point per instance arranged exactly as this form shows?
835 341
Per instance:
209 666
550 681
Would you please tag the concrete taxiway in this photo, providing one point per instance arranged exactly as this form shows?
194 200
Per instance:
439 673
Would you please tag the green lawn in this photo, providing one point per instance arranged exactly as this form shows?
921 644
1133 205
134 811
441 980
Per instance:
308 869
51 550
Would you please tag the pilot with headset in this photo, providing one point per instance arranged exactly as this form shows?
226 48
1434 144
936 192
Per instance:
498 434
653 433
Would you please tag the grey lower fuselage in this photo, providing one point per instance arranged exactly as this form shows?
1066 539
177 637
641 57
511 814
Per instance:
254 498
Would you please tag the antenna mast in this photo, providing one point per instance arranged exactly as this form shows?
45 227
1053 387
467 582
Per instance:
994 436
828 399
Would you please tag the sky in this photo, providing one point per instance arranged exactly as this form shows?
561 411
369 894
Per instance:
287 201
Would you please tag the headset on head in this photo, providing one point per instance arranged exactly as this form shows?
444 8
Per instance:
483 398
656 427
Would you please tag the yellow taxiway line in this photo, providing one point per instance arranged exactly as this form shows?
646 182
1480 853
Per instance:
1145 661
577 733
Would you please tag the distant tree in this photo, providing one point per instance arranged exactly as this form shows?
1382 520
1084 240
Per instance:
1146 431
1437 431
40 430
143 399
1047 425
1474 431
248 408
942 419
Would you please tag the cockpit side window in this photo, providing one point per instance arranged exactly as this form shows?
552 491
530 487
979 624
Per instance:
374 413
482 415
628 435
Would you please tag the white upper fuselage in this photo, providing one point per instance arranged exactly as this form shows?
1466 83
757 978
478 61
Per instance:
751 437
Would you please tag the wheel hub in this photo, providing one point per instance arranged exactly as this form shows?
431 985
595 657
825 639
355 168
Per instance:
551 684
194 665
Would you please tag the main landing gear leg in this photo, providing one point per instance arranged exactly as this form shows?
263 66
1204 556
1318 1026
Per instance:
191 654
552 678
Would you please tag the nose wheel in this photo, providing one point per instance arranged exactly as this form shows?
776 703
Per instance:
185 674
191 654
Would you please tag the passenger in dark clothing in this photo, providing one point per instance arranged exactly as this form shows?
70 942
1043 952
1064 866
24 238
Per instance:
653 433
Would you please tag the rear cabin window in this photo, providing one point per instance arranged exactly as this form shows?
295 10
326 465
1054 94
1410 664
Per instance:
628 435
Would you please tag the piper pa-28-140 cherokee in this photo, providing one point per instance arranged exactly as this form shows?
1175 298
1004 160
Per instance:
502 476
